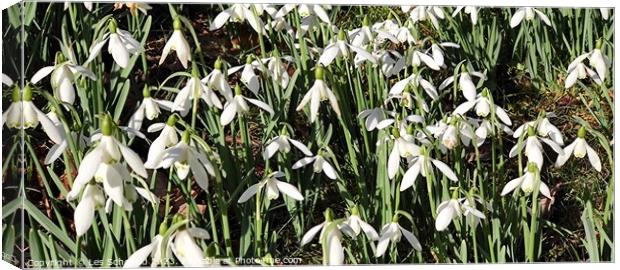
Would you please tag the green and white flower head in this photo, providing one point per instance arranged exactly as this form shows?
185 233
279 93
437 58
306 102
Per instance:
376 118
423 13
185 157
533 147
157 250
466 83
596 59
194 89
168 137
185 248
320 164
451 209
121 45
23 114
415 80
272 187
238 105
403 147
421 165
317 93
277 67
604 13
217 81
450 130
63 76
543 128
149 108
340 49
282 143
91 200
248 76
308 14
391 61
177 43
528 13
580 148
357 225
528 182
471 10
240 13
330 237
482 105
392 232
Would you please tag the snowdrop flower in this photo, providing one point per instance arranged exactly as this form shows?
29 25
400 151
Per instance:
362 36
404 35
580 148
449 130
357 225
23 114
282 143
153 250
217 81
527 13
308 14
121 44
238 105
403 147
423 13
533 147
485 126
185 158
466 83
375 118
240 13
471 10
273 187
420 165
103 165
177 43
87 5
604 13
482 105
437 52
150 107
418 57
6 80
392 62
63 77
277 68
392 232
330 237
185 248
248 76
194 89
168 137
446 212
320 165
59 147
543 128
415 81
527 182
317 93
134 7
340 48
92 199
597 60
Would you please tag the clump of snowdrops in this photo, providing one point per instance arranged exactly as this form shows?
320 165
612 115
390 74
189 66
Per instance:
320 137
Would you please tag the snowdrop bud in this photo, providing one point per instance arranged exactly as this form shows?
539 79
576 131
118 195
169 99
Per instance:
27 94
342 35
366 21
106 125
355 210
329 215
16 95
112 25
176 25
237 89
582 132
146 92
185 137
318 73
218 63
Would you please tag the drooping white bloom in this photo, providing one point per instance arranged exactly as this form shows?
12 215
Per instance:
92 198
543 128
121 45
238 105
471 10
415 81
248 76
240 13
103 165
533 147
392 62
185 248
308 14
282 143
153 250
596 59
437 52
277 68
23 114
150 107
168 137
466 83
482 105
216 80
527 182
177 43
448 210
604 13
330 237
273 187
6 80
88 5
375 118
528 13
423 13
340 48
357 225
422 57
185 157
450 131
403 147
320 164
392 232
317 93
420 165
63 77
580 148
